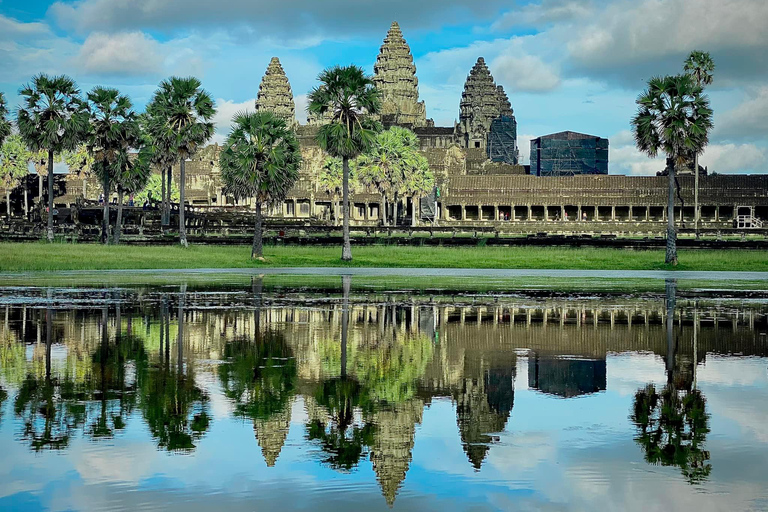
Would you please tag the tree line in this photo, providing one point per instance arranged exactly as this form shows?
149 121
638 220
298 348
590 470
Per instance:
102 135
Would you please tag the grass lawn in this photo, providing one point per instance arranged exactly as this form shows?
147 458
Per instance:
61 256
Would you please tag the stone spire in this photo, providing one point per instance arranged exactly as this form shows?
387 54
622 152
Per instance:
271 434
481 103
275 93
395 78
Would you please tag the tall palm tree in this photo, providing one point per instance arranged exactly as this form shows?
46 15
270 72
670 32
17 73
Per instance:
114 131
699 66
131 178
674 118
53 118
261 159
181 112
5 123
331 181
349 98
164 157
14 160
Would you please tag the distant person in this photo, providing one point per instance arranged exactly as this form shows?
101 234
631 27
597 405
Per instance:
130 200
101 199
584 216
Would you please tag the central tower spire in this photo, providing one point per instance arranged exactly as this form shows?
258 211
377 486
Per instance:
395 78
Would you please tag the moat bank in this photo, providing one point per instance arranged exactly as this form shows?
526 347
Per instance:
16 257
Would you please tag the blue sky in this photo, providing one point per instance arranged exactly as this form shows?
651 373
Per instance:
566 64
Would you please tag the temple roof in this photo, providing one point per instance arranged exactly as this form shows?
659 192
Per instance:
275 93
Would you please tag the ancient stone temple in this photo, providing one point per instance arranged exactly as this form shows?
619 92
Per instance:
271 434
395 78
275 94
482 103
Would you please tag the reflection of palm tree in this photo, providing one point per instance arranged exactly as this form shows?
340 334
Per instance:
175 409
260 379
672 428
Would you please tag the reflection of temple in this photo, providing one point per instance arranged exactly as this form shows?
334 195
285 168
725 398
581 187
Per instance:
564 376
271 434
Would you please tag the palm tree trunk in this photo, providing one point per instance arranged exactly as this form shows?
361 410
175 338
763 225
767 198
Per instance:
346 251
671 290
257 251
119 223
85 186
180 346
163 220
696 194
414 202
383 210
182 227
671 256
168 196
50 195
8 202
105 217
26 197
346 285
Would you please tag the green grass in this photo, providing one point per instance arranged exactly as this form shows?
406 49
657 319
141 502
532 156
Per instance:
61 256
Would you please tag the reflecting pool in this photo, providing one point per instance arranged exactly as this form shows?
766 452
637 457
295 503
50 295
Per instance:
258 397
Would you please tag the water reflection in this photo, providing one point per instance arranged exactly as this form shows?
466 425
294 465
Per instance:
358 376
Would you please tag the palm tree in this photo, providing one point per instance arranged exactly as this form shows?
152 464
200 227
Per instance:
14 160
163 156
331 180
5 123
674 118
180 112
132 176
114 131
261 159
346 95
699 66
53 118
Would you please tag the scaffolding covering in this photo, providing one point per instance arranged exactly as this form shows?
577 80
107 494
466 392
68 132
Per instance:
502 140
569 154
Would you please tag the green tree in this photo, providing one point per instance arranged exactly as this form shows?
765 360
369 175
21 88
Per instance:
261 160
114 132
699 66
5 123
160 143
181 113
14 164
672 428
53 118
155 188
80 162
348 96
395 168
331 181
673 118
132 176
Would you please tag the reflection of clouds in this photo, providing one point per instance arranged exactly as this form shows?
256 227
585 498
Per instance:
626 373
733 372
96 461
741 406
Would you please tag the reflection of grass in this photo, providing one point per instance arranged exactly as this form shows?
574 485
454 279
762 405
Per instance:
39 256
407 285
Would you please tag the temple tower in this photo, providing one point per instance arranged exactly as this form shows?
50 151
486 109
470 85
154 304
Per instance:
275 93
482 103
395 78
271 434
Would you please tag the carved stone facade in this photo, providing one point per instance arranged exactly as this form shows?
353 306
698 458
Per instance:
395 78
275 93
482 103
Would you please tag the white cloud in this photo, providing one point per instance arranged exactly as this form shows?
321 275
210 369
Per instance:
524 144
10 29
545 13
747 121
625 158
225 111
735 158
525 73
127 53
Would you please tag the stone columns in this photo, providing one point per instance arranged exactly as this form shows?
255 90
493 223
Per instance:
495 212
530 212
463 215
512 213
597 213
578 214
630 213
613 213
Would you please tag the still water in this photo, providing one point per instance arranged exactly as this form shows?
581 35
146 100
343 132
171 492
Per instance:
245 397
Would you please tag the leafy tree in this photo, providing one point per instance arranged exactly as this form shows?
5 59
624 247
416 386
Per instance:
53 118
181 114
114 132
672 428
674 118
261 159
699 66
348 96
155 189
164 157
132 176
394 167
14 163
80 162
331 180
5 123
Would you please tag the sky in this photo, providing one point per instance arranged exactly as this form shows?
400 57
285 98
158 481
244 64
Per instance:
572 65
